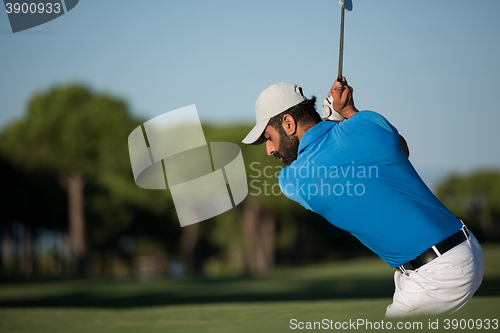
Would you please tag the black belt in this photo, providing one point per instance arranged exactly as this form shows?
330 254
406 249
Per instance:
436 250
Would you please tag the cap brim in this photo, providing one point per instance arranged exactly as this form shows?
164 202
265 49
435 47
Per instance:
255 136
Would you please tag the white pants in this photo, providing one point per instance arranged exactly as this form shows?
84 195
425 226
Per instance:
446 284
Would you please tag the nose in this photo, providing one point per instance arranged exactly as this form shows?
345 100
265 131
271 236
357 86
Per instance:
270 148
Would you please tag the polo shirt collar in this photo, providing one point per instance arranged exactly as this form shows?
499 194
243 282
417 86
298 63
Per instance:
315 133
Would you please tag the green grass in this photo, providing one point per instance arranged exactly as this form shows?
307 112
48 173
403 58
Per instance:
359 289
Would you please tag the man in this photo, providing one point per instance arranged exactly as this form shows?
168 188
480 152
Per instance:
357 175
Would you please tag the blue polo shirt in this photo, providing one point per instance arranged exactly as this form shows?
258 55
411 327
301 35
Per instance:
355 175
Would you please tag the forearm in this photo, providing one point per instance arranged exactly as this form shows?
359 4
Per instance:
343 102
348 112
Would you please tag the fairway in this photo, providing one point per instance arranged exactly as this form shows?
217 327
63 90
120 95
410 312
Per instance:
343 292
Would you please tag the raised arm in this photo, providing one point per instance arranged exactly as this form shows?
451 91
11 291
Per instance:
343 102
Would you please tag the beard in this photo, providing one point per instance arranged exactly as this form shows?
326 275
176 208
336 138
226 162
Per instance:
288 148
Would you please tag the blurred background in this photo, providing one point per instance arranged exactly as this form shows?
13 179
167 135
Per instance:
74 88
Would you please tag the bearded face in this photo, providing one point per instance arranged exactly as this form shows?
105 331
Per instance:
288 147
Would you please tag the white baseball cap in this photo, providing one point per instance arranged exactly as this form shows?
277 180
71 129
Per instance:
275 99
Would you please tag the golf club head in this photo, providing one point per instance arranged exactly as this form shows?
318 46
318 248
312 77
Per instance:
347 4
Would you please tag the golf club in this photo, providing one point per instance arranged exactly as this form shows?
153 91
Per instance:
346 4
328 112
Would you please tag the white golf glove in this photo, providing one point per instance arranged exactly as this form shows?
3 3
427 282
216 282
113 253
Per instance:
329 113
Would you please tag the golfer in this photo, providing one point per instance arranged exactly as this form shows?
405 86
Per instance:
355 172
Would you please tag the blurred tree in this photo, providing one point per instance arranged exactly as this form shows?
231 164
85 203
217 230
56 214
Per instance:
75 134
28 198
475 198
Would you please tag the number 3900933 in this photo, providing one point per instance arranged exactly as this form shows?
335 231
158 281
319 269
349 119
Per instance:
33 8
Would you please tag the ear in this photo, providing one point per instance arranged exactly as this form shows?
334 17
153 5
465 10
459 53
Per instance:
289 125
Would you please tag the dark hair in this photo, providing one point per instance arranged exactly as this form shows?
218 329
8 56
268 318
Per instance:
304 114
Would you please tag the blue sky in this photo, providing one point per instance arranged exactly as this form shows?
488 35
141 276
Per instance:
431 67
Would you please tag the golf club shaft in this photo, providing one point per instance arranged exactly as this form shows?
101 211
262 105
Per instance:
341 48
